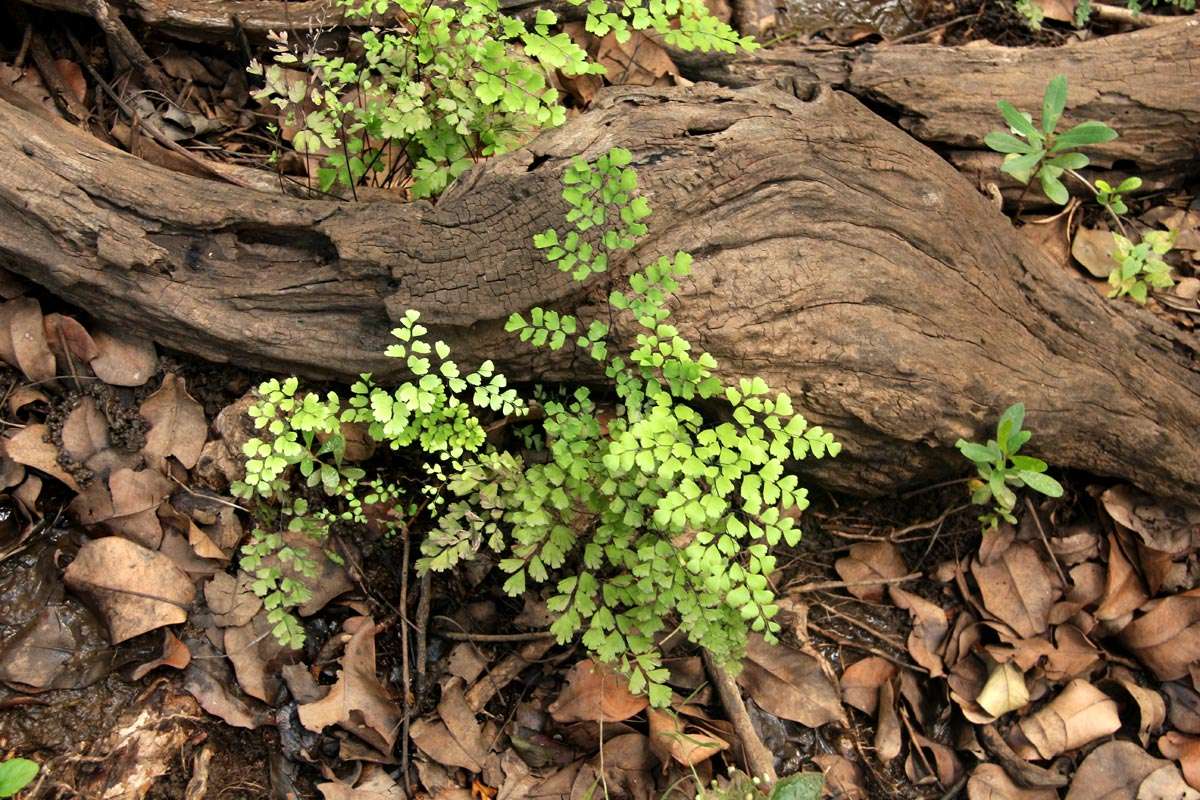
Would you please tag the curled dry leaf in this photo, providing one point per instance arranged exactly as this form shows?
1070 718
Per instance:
949 769
1004 691
1184 704
175 654
1167 637
358 702
257 657
466 661
63 331
1166 526
1017 588
135 589
373 784
31 446
123 360
991 782
1073 655
861 681
1075 544
1185 750
929 630
888 738
842 776
870 561
27 335
177 424
1123 590
790 684
1120 771
1080 714
596 693
209 679
672 738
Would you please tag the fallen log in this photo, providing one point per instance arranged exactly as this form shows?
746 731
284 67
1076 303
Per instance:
946 96
836 256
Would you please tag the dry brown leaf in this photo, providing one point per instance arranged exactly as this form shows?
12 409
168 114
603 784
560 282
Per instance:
639 61
1093 248
870 561
22 396
135 589
455 738
1080 714
358 701
1017 588
80 347
1184 705
945 762
1076 544
1004 691
1167 637
1117 771
27 335
790 684
596 693
843 777
1152 709
861 681
671 738
30 446
123 360
929 630
466 661
177 424
1087 587
1123 590
209 679
85 432
991 782
1051 238
61 647
966 681
888 738
1163 525
1072 656
257 657
373 784
231 599
1185 750
174 654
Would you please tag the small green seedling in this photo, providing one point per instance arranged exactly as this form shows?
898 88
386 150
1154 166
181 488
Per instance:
1110 197
16 774
1140 266
1033 152
739 786
1001 469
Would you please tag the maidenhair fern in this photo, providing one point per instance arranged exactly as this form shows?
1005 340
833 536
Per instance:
647 516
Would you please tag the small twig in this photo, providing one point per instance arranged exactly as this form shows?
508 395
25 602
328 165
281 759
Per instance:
932 487
459 636
119 36
23 50
759 760
153 130
1046 541
875 651
878 634
1137 19
908 37
206 496
920 750
933 523
816 587
407 698
64 96
423 605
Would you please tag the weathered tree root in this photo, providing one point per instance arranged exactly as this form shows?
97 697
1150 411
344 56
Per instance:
836 256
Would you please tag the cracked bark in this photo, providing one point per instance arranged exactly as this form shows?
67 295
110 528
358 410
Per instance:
835 256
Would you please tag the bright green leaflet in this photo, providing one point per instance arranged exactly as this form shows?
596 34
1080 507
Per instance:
1001 469
16 774
446 84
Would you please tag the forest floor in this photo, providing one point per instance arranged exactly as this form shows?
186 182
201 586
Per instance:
922 657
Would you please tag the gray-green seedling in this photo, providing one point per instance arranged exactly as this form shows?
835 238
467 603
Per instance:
1001 469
